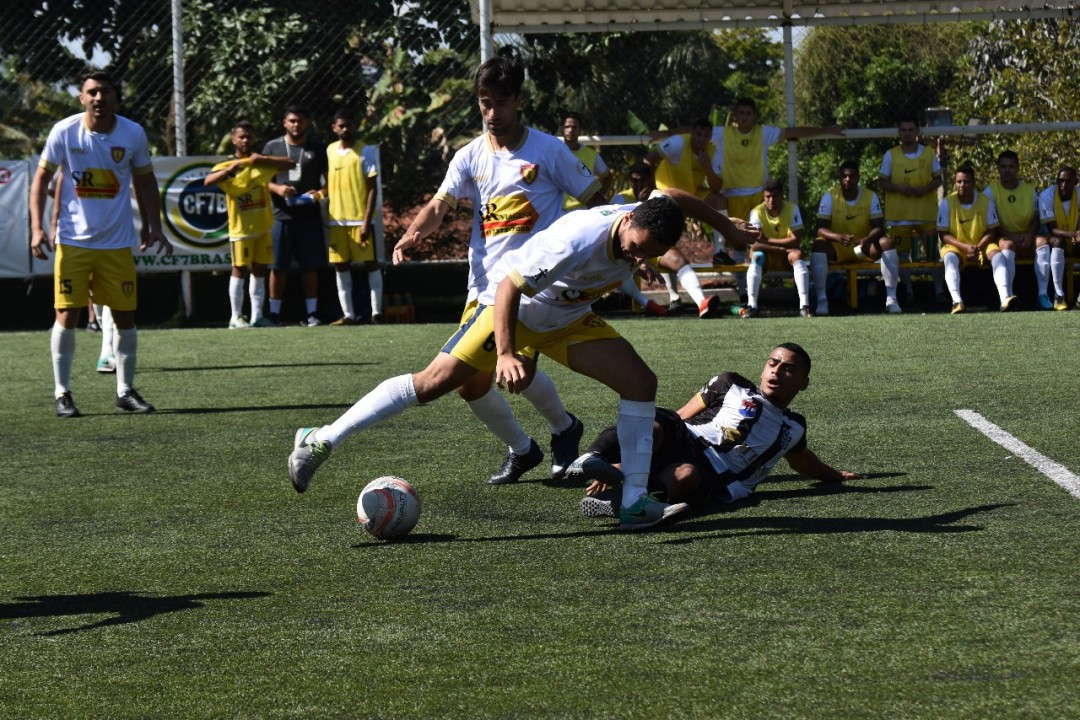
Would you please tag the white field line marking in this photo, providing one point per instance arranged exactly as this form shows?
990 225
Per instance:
1055 471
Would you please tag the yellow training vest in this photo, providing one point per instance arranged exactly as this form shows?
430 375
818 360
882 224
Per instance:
908 171
1015 207
775 228
685 175
743 164
847 219
968 225
1063 220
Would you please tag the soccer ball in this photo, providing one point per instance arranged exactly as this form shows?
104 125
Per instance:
388 507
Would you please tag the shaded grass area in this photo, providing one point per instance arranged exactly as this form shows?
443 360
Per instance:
162 566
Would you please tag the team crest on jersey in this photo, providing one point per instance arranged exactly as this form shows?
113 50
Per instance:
118 154
127 287
745 142
529 172
748 408
583 169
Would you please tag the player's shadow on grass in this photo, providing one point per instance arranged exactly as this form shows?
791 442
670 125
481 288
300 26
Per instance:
251 366
730 527
123 607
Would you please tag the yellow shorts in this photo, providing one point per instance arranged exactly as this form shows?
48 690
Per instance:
474 342
964 262
347 245
258 250
109 273
901 234
739 206
847 254
466 316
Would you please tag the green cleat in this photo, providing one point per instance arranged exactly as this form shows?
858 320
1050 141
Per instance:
646 512
307 455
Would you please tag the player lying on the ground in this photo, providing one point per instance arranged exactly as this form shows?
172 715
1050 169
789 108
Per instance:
720 444
544 304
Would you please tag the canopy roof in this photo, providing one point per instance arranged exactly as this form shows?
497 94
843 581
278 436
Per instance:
545 16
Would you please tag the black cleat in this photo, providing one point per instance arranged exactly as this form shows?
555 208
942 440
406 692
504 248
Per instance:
132 402
722 258
65 407
514 466
597 507
564 447
591 466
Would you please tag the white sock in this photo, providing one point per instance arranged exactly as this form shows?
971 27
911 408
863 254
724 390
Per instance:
389 398
1010 270
1057 270
890 271
819 271
127 342
754 274
545 398
236 296
634 428
311 304
493 410
802 282
344 292
375 283
108 331
1000 268
1042 268
691 284
952 275
62 345
672 291
257 295
631 290
98 309
275 307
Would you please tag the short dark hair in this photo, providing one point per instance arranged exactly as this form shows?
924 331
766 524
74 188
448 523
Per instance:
102 77
773 185
746 102
343 114
297 109
661 217
572 116
639 168
797 350
1008 155
503 76
908 118
849 165
1066 168
967 169
243 125
701 123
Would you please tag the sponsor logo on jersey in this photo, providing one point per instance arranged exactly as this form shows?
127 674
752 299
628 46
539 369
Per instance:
95 183
511 214
748 408
118 154
851 217
908 171
529 172
197 215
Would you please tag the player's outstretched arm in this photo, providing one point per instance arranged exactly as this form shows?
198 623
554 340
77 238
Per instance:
697 209
426 222
805 462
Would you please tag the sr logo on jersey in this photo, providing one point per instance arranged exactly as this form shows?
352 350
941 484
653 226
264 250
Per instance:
529 172
197 215
118 154
503 215
95 183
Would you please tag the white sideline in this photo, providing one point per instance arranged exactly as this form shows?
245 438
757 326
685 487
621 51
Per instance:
1055 471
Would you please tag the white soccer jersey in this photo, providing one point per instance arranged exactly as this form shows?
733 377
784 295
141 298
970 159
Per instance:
1046 205
745 433
96 189
567 267
514 193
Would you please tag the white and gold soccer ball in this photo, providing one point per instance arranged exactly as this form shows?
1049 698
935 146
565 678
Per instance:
388 507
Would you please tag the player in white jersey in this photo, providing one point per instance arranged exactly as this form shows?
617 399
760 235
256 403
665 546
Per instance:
104 156
515 178
544 302
721 444
1059 208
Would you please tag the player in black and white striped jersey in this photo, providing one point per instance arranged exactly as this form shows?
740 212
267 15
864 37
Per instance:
721 443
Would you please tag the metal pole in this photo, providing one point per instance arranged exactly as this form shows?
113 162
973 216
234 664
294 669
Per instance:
486 39
179 112
789 98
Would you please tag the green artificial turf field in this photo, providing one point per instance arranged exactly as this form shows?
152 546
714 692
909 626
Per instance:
162 566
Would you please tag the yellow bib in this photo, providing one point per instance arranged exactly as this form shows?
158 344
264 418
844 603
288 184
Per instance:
775 228
685 175
908 171
1015 207
346 184
968 225
847 219
743 165
1065 221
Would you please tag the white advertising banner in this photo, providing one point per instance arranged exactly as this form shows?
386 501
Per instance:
194 218
14 218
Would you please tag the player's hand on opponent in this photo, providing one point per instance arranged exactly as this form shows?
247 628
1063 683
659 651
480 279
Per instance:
39 241
149 238
511 374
